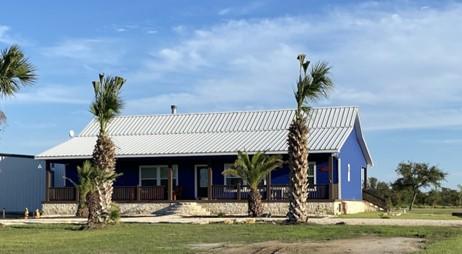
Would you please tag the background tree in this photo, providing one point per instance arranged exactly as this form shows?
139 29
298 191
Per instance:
459 186
309 87
414 176
15 71
254 171
106 106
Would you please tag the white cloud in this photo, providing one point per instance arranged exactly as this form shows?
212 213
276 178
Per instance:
87 51
401 67
453 141
224 11
4 38
242 9
50 94
179 29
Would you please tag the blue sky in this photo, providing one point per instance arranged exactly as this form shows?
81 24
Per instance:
399 61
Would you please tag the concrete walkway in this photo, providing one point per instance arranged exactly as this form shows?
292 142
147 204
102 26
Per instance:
178 219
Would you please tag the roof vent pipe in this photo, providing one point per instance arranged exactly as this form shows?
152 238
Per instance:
173 108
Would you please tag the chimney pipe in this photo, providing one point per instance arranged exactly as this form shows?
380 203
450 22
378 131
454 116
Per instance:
173 108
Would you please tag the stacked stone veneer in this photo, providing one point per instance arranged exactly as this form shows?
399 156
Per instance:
273 208
218 208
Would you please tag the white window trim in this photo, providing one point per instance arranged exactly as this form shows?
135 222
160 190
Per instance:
339 167
314 174
349 172
225 177
196 166
158 179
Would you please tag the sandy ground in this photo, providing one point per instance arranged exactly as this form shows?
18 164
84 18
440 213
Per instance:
178 219
358 245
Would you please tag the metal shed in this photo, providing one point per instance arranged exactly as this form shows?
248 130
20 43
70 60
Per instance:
22 182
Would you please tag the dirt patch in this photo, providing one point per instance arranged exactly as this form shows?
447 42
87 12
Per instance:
358 245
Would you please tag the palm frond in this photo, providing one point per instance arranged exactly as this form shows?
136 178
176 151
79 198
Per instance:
15 71
313 86
2 117
253 170
107 103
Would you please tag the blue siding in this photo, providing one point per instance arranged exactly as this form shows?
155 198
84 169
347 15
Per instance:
129 167
351 153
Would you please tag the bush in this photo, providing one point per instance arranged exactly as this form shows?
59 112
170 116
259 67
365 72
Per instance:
115 214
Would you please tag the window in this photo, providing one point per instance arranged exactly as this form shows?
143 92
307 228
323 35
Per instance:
231 180
311 174
349 172
157 175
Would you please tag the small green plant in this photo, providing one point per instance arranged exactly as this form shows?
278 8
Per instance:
114 215
221 215
384 215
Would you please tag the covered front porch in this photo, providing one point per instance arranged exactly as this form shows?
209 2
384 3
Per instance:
150 180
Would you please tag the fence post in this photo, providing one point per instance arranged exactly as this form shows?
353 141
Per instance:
268 187
238 191
170 183
138 193
209 189
47 180
3 213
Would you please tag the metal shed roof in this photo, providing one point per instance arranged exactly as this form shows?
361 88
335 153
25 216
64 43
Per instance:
213 134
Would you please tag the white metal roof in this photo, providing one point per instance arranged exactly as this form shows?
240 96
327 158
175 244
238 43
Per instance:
212 133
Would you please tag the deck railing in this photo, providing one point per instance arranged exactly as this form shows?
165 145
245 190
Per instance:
279 192
371 197
121 194
62 194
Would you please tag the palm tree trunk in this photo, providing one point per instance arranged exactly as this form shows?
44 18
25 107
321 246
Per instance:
93 210
101 200
255 206
298 163
82 208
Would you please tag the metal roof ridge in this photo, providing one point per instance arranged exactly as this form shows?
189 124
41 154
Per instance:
229 112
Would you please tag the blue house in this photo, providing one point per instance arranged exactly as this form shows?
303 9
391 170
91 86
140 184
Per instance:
169 158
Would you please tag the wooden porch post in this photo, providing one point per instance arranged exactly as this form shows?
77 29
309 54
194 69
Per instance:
365 178
209 189
268 186
331 177
47 180
170 182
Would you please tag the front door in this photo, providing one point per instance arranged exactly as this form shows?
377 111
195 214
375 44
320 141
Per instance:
202 181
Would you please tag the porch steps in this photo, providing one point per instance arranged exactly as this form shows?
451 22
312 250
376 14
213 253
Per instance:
184 209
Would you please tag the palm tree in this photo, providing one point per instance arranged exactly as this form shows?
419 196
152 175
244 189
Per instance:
15 72
253 171
310 87
84 186
106 106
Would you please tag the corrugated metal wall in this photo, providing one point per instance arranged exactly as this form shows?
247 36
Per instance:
22 183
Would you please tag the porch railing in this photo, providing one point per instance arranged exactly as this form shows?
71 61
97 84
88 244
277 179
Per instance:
371 197
279 192
62 194
121 194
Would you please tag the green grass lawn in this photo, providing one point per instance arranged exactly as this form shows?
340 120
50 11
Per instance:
175 238
417 213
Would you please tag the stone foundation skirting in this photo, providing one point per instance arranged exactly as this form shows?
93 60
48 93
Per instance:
219 208
273 208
